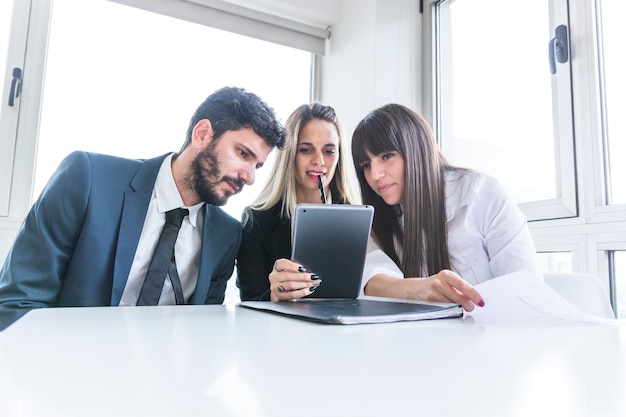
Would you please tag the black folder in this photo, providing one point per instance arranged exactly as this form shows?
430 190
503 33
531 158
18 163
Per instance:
357 311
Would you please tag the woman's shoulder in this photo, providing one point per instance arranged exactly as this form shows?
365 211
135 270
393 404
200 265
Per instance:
264 220
467 186
469 179
485 184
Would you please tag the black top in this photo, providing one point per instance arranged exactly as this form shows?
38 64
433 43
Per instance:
266 237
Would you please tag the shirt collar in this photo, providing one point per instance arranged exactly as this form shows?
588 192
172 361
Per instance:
167 195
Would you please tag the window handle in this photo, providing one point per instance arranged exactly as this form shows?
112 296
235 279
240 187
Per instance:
16 86
558 48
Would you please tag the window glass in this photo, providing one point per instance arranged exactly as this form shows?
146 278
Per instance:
619 276
7 129
497 104
555 261
121 80
6 12
613 18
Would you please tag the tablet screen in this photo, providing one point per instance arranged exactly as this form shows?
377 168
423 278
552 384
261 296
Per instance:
330 240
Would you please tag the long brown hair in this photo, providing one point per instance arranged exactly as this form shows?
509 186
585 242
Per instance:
423 240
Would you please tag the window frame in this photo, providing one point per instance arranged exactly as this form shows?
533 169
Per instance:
565 204
27 50
598 227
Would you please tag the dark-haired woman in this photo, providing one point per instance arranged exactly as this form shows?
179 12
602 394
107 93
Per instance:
441 228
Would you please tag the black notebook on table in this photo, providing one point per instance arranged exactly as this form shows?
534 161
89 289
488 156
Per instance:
331 240
357 311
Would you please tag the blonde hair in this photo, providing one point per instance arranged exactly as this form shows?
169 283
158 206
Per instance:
281 185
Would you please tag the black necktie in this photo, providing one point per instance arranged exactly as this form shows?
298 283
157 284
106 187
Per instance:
162 260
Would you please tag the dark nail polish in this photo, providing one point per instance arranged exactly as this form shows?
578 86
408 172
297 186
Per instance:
312 290
315 276
301 269
481 303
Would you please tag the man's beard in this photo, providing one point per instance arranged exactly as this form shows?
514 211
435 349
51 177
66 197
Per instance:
205 167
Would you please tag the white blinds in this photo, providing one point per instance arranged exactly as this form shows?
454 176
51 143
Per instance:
238 19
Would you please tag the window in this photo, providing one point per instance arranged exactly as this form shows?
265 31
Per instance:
618 271
12 62
555 261
612 17
6 12
131 92
553 136
492 56
125 81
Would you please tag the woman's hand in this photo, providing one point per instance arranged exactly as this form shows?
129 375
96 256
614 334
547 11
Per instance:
290 280
445 286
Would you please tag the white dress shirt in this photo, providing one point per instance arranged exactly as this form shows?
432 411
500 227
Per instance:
165 197
487 233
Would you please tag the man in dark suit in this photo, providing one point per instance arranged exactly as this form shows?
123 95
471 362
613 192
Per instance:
90 237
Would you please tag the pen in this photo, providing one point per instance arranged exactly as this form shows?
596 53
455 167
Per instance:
321 186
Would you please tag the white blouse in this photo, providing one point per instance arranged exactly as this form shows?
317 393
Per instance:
487 232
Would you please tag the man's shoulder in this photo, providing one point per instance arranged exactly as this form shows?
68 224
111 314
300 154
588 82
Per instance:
93 159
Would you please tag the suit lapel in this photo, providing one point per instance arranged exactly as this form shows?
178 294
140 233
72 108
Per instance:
135 206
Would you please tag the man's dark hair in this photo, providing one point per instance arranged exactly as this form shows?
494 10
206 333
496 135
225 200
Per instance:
233 108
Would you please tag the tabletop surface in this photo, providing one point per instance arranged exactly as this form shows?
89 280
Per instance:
230 361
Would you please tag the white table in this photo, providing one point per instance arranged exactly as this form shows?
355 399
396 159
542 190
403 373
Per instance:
229 361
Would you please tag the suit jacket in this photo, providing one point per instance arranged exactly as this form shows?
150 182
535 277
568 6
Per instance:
77 243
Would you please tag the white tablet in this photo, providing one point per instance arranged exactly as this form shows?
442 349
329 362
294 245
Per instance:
330 240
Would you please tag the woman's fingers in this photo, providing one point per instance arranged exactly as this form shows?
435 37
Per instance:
289 292
286 268
292 295
452 288
290 280
293 285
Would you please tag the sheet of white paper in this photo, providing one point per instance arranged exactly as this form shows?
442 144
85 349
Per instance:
521 297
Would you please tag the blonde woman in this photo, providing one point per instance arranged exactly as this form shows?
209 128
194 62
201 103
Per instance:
315 148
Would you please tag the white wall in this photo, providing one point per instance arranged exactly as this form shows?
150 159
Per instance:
373 58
